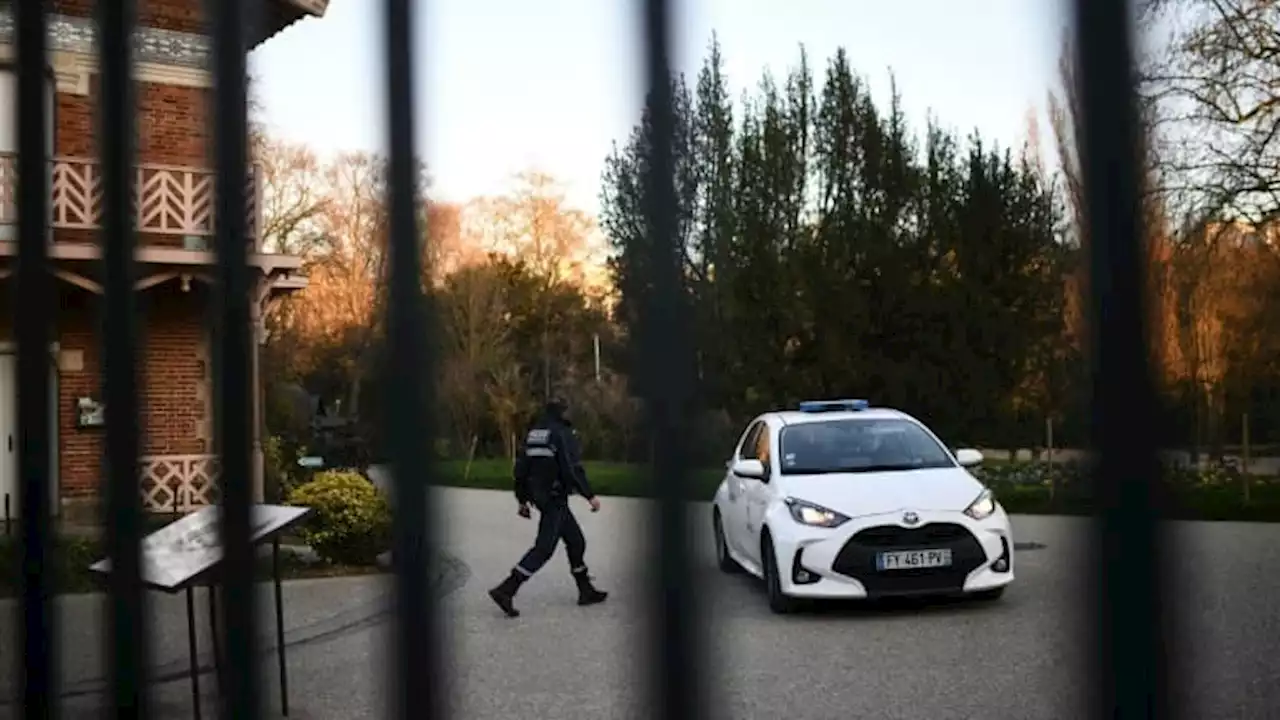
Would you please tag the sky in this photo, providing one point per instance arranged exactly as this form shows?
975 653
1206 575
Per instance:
504 86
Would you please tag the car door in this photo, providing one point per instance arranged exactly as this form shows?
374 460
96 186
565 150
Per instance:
758 494
735 518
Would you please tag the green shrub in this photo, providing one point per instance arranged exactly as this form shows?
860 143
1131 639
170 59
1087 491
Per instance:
280 466
69 565
350 521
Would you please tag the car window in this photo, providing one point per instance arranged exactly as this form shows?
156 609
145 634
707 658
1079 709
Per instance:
859 445
748 450
762 446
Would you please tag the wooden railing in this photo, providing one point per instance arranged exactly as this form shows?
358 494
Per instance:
178 483
168 199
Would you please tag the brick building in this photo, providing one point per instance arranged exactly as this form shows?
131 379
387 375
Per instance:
175 262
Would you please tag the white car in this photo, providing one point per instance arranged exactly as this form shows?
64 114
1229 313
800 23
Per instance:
841 500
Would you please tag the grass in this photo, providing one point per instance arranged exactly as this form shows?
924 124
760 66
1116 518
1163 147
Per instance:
607 478
1190 501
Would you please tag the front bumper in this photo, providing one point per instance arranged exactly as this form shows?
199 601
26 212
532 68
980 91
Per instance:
841 562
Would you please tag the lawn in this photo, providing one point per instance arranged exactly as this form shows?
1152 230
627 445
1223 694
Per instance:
607 478
1019 489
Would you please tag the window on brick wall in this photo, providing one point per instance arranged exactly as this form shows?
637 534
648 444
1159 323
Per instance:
9 145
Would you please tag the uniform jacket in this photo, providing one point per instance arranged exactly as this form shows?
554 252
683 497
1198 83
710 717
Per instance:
549 462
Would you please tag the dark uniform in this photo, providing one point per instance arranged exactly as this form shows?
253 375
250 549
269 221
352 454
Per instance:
548 469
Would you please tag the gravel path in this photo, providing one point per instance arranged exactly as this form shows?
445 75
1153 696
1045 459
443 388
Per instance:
1015 659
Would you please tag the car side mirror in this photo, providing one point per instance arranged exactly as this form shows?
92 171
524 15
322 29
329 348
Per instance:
749 468
968 457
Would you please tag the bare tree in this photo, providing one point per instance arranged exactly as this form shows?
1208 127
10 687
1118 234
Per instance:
335 320
473 307
509 400
535 225
1217 85
1163 287
293 196
1222 275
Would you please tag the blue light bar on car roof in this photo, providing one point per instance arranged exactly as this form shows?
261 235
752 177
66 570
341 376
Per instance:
817 406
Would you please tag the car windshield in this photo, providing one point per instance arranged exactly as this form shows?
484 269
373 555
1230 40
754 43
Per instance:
861 445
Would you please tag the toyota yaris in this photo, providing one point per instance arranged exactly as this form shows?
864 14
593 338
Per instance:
837 499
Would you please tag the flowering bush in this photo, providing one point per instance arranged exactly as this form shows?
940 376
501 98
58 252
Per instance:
1214 491
1031 473
1074 474
350 522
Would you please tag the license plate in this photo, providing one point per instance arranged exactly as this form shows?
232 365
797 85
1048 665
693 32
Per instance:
913 559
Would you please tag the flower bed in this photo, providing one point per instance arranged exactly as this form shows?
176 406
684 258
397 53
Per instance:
1213 492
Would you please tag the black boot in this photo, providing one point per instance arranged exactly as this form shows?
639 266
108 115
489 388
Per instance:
588 594
505 593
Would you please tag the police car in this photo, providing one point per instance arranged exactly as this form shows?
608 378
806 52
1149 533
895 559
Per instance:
838 499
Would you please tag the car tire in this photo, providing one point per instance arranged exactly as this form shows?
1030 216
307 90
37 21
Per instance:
779 602
989 595
723 558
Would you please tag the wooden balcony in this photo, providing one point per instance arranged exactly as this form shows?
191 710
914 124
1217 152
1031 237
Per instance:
171 200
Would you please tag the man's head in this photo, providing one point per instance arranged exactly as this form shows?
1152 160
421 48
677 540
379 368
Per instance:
556 407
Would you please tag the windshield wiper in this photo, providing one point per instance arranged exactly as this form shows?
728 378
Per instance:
886 467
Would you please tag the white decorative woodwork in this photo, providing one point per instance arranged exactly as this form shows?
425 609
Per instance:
178 483
8 188
168 199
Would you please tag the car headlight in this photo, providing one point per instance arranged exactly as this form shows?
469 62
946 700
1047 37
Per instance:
983 506
815 515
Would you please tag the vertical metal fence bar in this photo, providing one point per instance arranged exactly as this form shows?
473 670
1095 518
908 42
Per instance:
409 392
126 633
33 310
666 352
229 21
1129 673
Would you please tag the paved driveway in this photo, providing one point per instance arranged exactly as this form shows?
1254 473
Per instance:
1015 659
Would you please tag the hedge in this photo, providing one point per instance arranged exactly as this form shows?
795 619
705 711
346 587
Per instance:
1023 488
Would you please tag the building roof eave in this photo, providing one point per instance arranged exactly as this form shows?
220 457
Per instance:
280 14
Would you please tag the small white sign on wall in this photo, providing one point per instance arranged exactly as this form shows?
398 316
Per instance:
71 361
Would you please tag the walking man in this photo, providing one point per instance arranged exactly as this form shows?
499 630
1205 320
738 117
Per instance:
548 469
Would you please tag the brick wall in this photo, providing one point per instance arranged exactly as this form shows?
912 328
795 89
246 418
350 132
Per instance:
174 373
171 129
174 381
180 15
80 469
171 124
176 361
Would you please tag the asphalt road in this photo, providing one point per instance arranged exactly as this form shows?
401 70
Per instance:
1020 658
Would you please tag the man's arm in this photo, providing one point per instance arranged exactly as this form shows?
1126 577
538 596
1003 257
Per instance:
520 473
571 459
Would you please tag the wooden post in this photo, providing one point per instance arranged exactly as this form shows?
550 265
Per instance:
1053 473
471 454
1244 452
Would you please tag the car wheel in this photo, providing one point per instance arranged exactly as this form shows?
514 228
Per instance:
723 559
989 595
779 602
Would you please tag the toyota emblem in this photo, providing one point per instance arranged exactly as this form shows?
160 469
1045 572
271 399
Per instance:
910 518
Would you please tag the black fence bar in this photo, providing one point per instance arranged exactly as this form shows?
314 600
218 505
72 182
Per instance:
126 632
241 692
1130 667
33 320
665 351
417 687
